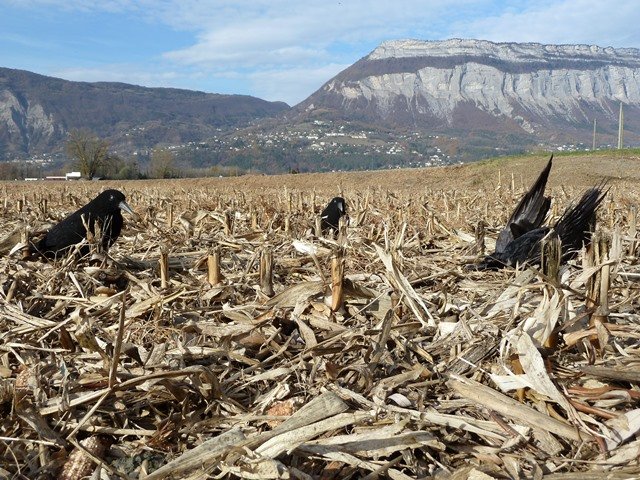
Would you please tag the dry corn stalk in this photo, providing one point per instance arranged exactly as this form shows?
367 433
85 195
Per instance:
213 267
266 272
337 278
203 367
164 268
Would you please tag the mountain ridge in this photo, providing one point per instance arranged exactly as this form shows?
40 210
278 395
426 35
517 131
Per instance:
36 112
461 46
392 107
532 87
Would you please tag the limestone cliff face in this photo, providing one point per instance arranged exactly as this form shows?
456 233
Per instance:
23 123
484 85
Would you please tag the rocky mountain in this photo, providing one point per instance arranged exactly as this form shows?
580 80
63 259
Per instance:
525 92
37 112
407 103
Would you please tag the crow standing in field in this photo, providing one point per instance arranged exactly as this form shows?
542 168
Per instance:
529 214
573 229
105 210
330 216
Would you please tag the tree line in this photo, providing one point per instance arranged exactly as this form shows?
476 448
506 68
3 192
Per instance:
91 156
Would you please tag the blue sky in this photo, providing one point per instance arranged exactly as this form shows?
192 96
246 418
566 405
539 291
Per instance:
273 49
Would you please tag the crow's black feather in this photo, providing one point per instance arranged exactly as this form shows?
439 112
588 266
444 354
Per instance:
105 210
530 212
330 216
573 228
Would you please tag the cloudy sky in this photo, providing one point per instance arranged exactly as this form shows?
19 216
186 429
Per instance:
274 49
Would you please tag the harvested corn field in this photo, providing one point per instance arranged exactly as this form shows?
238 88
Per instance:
221 339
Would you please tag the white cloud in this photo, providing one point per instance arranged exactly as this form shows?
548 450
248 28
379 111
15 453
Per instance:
119 73
292 85
283 39
289 49
285 50
590 22
265 33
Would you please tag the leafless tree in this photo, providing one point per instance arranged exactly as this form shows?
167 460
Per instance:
90 153
162 164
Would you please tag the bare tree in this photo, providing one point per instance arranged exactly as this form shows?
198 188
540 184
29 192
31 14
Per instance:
162 164
9 171
90 153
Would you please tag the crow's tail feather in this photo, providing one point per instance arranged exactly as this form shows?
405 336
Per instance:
578 222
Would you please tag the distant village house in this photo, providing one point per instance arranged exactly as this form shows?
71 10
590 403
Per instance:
66 176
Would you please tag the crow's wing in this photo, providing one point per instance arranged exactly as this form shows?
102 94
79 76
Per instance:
525 248
530 212
65 233
576 223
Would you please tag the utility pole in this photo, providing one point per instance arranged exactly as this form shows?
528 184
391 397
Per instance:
620 127
593 144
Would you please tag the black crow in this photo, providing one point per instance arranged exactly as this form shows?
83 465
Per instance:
529 213
330 216
573 229
104 209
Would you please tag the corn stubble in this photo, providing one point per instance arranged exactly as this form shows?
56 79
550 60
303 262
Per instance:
221 338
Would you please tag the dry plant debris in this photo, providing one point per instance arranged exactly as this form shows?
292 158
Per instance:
220 340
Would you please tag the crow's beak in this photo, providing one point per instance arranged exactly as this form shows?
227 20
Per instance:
123 206
17 247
